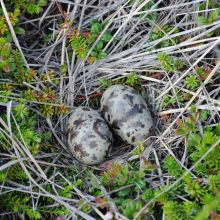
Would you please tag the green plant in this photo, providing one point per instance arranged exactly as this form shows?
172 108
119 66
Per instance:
160 32
167 63
200 195
206 21
6 90
132 79
5 34
119 175
50 37
203 74
191 81
30 6
51 75
48 96
104 82
211 3
82 42
78 44
21 203
88 38
194 141
150 16
6 60
173 100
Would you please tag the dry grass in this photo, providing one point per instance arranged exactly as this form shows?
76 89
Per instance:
128 51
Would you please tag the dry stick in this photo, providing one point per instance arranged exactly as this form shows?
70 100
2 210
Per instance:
204 107
88 6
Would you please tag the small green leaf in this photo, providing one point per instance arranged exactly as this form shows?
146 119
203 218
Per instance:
179 131
173 100
93 21
6 49
203 115
130 180
96 28
103 55
42 2
193 109
123 179
214 15
202 7
199 70
9 36
99 46
131 206
180 123
106 36
166 98
50 37
19 30
210 34
153 36
124 202
36 139
194 139
104 24
142 174
202 21
124 192
128 213
94 54
6 67
181 98
63 68
165 43
140 183
125 169
139 206
12 66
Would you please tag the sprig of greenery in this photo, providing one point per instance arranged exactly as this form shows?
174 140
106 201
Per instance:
30 6
206 21
191 81
81 43
160 32
167 62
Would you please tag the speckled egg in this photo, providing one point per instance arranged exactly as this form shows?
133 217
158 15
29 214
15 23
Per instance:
88 136
127 113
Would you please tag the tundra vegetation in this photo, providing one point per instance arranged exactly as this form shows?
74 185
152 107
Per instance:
58 55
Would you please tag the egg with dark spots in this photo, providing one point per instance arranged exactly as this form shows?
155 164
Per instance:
127 113
88 136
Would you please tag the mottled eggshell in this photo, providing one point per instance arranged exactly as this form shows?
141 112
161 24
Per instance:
127 113
88 136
